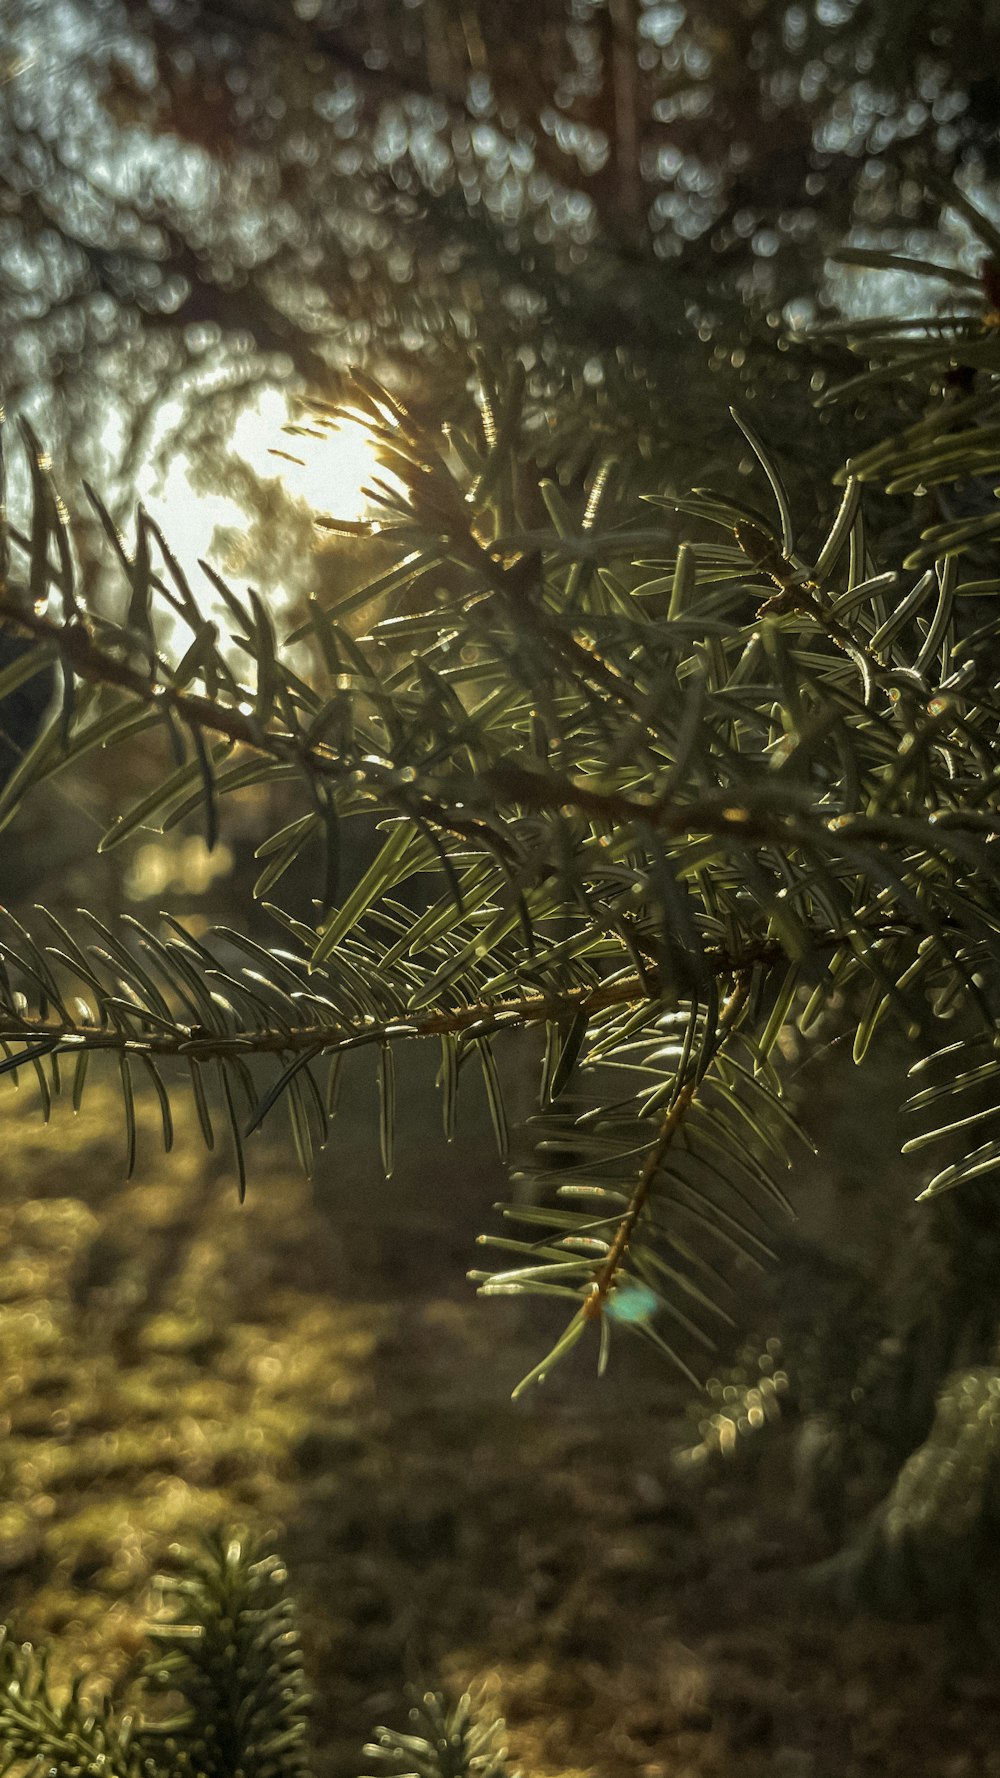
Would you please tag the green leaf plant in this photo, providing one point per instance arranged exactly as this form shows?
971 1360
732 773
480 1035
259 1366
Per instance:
660 779
223 1652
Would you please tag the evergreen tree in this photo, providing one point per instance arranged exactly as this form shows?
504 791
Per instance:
664 779
660 782
225 1647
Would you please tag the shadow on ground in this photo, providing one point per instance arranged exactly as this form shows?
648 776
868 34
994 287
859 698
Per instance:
313 1364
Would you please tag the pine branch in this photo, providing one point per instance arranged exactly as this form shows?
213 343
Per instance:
139 1030
76 647
673 1119
231 1648
444 1741
623 1266
530 788
228 1647
64 1737
623 776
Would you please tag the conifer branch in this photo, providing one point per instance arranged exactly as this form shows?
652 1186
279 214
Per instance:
613 799
532 787
672 1122
82 655
169 1039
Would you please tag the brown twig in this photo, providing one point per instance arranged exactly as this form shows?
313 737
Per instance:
803 596
672 1121
94 664
481 1016
722 813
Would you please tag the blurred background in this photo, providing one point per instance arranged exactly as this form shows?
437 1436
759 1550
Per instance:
209 212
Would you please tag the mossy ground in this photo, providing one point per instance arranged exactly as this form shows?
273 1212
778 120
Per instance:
311 1364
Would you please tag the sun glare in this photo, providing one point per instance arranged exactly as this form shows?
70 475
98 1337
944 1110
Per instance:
329 472
327 467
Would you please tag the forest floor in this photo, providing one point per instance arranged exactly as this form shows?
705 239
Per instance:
315 1366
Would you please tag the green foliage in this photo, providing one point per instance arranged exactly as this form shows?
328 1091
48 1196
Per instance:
231 1649
444 1741
229 1652
655 782
65 1737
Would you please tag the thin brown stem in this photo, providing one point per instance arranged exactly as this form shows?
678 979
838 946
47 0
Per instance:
723 813
801 596
482 1015
672 1121
94 664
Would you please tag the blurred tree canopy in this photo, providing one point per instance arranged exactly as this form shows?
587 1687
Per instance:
200 197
